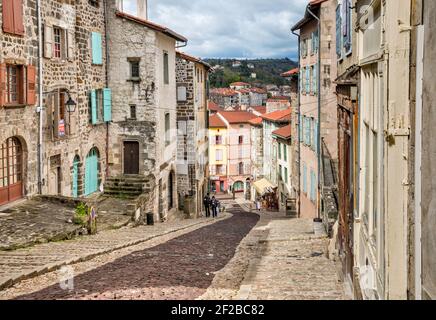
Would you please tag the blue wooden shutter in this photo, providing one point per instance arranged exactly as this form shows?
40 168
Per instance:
304 178
93 100
338 32
315 136
308 131
312 185
97 48
315 79
107 105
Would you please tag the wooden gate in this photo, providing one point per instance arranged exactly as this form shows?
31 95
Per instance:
11 170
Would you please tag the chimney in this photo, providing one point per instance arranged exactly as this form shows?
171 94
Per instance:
141 9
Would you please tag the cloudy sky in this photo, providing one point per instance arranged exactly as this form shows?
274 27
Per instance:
232 28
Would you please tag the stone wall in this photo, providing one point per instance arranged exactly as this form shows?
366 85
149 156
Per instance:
79 76
22 121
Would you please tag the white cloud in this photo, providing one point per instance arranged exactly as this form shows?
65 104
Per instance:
232 28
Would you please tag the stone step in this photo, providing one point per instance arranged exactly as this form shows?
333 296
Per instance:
127 188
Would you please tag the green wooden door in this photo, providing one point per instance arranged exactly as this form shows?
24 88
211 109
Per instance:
76 178
91 173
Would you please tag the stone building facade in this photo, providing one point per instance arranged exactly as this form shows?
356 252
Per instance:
142 73
74 65
192 131
18 113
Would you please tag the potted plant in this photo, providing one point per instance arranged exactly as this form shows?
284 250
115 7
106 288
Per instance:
81 216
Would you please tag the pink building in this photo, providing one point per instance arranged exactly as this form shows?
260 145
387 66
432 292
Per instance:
239 149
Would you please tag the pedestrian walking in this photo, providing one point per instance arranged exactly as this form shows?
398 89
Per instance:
258 204
207 203
214 205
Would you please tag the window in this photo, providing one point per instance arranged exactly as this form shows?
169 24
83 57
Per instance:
280 150
100 105
167 129
241 139
219 155
286 175
166 68
17 84
94 3
181 94
313 186
57 48
280 172
133 112
218 140
285 152
134 68
338 32
58 43
13 17
241 168
57 114
220 170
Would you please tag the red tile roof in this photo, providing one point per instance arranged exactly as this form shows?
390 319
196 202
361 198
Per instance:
212 106
152 25
193 59
256 121
239 84
258 90
284 132
260 109
216 122
234 117
290 72
278 116
224 92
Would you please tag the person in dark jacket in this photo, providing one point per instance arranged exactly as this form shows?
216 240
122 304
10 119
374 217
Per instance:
214 205
207 203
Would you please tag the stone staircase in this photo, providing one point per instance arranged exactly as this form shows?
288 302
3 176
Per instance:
125 187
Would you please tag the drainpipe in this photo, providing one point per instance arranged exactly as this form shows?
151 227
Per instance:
299 124
319 109
107 81
40 95
418 162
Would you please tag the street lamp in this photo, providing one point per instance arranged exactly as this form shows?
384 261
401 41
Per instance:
71 107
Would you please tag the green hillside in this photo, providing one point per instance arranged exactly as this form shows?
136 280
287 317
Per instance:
267 71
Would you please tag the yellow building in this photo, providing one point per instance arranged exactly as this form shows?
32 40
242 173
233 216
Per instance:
218 155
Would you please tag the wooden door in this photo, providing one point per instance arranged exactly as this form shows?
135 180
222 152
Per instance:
11 168
91 172
131 157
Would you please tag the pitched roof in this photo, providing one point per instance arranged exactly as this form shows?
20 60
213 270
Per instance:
237 116
212 106
260 109
278 116
256 121
238 84
152 25
313 4
258 90
216 122
224 92
290 72
284 132
193 59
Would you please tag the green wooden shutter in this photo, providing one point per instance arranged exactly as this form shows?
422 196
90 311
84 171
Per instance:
93 100
97 48
107 105
307 80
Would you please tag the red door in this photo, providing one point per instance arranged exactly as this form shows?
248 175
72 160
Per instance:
11 164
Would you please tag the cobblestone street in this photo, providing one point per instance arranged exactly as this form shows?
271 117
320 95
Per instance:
240 256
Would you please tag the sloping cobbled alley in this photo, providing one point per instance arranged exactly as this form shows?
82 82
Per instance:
240 256
182 268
